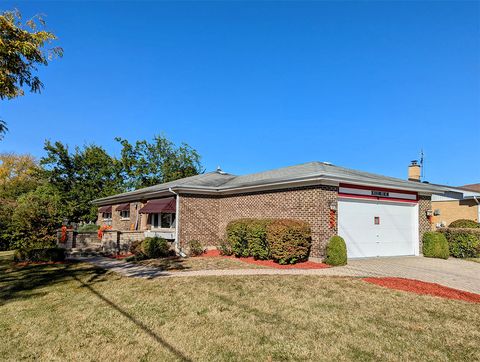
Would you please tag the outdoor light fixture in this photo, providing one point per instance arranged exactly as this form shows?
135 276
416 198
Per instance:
333 206
436 212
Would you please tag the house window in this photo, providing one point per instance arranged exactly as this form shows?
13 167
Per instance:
125 214
163 220
106 215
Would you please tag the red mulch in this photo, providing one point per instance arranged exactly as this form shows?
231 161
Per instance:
419 287
267 263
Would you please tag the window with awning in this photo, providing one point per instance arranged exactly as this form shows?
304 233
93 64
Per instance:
124 210
106 212
166 205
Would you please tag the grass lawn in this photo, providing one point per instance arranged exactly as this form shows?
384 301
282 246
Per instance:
197 263
77 312
476 260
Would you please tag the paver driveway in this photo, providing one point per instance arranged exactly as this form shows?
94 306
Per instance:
453 273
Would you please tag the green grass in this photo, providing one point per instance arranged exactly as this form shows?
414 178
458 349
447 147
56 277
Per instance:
476 260
77 312
198 263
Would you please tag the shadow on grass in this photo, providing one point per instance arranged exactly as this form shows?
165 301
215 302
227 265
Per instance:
137 322
21 282
165 264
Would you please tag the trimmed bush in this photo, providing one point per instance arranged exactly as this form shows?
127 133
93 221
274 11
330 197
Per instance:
464 223
463 243
225 247
289 241
86 228
39 255
435 245
136 247
336 251
237 237
196 248
257 239
155 247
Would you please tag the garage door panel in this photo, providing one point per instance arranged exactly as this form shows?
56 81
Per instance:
394 235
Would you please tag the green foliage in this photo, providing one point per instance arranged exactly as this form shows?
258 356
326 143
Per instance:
151 163
225 247
81 176
22 49
336 251
155 247
196 247
289 241
237 237
464 223
257 239
39 255
88 228
36 218
463 243
435 245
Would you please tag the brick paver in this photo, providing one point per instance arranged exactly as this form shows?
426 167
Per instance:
453 273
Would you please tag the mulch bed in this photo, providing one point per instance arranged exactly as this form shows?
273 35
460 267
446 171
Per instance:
267 263
425 288
120 256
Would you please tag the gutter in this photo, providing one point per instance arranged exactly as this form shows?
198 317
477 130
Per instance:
177 222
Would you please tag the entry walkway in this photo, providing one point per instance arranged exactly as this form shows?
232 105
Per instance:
453 273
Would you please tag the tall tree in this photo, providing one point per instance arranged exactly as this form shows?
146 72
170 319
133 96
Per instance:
22 48
150 163
81 176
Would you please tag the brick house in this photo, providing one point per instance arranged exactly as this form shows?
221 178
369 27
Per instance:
376 215
456 203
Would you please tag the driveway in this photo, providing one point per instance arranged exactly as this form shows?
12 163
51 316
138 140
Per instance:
453 273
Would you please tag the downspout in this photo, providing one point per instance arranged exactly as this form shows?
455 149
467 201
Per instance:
177 222
478 208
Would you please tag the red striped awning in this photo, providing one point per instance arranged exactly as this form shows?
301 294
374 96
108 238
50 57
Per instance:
105 209
159 205
123 207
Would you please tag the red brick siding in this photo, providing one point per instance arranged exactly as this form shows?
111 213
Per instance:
206 218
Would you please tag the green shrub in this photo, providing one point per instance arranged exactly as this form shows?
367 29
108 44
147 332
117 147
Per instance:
336 251
39 255
257 239
463 243
289 241
225 247
155 247
87 228
196 248
435 245
237 237
464 223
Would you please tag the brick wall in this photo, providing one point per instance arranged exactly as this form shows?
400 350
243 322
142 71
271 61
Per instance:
125 224
454 210
206 218
424 225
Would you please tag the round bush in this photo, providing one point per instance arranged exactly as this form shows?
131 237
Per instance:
155 247
257 239
237 237
289 241
435 245
464 223
196 248
336 251
225 247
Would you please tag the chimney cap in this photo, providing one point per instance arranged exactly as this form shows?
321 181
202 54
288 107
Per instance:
414 163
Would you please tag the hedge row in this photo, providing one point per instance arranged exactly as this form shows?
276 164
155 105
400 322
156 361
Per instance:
463 242
284 241
39 255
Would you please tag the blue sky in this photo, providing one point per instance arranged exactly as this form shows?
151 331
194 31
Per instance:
259 85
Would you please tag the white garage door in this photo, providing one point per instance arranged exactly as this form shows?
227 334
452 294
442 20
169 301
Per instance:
376 228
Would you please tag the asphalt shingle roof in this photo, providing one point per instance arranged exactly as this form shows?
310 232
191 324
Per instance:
219 181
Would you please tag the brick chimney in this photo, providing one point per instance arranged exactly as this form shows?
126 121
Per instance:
414 171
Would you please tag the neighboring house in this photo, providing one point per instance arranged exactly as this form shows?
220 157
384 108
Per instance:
456 203
376 215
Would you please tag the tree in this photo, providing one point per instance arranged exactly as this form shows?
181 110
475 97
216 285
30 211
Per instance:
3 129
151 163
80 177
22 49
36 218
19 174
